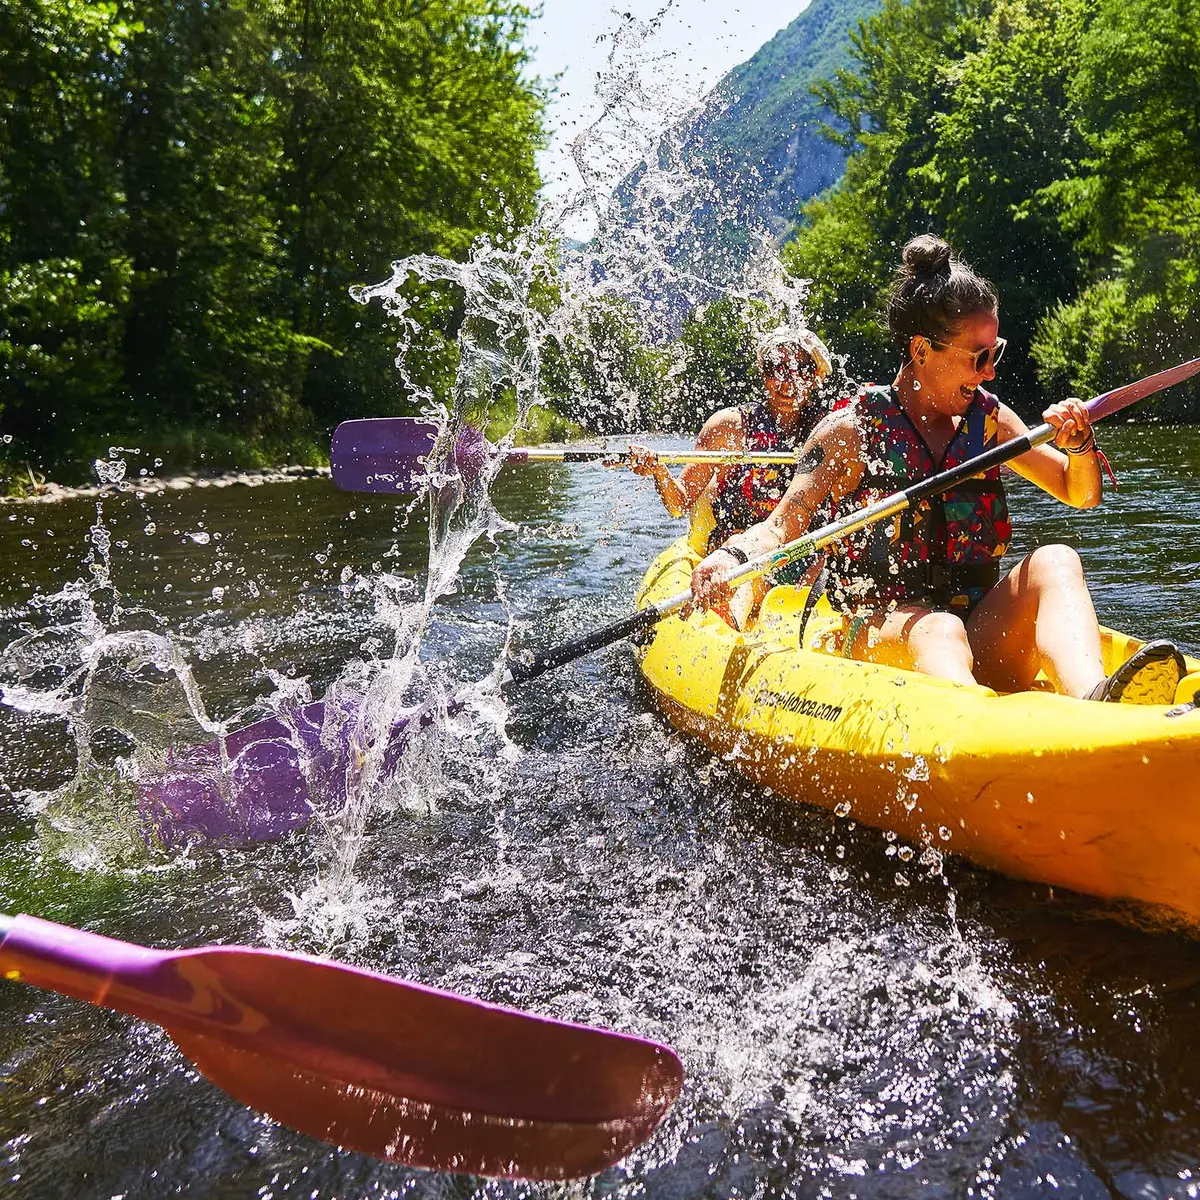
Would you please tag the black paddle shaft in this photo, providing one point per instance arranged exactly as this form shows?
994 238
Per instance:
529 666
1003 453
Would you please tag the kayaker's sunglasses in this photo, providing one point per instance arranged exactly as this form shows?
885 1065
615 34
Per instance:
979 358
786 368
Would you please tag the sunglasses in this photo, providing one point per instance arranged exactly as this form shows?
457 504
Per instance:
980 359
783 371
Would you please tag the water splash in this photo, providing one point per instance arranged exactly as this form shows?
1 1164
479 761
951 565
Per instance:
126 692
540 320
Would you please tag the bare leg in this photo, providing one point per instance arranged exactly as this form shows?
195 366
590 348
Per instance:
1039 616
918 639
743 604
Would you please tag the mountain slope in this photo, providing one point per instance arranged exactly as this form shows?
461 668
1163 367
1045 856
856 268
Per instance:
760 129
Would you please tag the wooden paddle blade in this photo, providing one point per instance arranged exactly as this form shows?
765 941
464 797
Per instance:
385 1124
379 1064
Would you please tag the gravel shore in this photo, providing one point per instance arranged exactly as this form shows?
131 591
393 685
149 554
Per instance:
49 493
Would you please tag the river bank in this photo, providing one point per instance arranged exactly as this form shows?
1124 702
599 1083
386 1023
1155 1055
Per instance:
543 427
49 493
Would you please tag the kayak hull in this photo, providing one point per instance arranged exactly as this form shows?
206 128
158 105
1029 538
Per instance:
1099 798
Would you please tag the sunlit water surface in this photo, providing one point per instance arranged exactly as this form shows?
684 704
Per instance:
958 1036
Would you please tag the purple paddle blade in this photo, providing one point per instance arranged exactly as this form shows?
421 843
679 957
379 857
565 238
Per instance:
264 795
1119 398
388 454
275 782
384 454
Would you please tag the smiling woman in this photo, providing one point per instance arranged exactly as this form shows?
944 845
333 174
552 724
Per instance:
925 592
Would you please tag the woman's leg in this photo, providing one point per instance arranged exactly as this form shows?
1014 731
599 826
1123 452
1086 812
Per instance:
917 639
1039 616
746 601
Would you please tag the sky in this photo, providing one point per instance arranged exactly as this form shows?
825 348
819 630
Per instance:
703 39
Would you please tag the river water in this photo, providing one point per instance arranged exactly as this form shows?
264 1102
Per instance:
574 856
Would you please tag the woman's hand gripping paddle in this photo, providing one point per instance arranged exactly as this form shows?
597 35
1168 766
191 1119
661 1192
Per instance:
390 1068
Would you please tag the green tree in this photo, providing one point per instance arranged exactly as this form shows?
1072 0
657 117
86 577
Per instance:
407 127
717 344
1133 205
189 187
601 371
198 147
62 284
956 113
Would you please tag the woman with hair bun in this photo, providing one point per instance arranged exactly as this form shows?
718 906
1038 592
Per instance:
924 591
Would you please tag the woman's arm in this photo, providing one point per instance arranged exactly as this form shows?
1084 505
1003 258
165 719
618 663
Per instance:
830 465
722 431
1072 477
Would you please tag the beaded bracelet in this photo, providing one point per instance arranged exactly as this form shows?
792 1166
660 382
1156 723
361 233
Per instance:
742 557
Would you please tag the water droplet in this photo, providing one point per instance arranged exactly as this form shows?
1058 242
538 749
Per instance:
109 472
843 809
200 537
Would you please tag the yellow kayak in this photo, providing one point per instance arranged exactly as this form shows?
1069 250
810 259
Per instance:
1100 798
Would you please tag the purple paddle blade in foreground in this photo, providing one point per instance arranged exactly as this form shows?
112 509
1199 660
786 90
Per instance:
391 1068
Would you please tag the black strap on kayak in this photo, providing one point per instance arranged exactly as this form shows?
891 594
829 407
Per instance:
810 601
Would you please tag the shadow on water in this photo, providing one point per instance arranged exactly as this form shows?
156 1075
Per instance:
844 1034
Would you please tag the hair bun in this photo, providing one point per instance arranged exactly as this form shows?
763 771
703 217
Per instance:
933 291
928 255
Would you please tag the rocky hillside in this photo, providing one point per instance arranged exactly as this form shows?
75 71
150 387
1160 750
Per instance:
761 126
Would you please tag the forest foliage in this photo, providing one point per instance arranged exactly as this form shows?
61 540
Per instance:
188 189
1056 145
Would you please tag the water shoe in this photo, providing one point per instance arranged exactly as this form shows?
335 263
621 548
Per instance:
1149 676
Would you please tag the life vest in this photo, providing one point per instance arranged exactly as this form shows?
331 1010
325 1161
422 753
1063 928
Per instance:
747 495
944 551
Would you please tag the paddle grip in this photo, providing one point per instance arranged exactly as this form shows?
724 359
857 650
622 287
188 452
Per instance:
530 666
85 965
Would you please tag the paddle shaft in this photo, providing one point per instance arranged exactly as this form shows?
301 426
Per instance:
532 665
392 455
719 458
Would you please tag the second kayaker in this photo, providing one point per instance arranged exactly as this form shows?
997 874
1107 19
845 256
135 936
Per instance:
794 362
924 590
